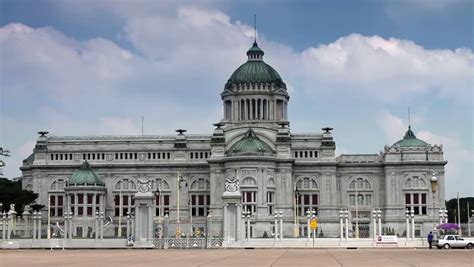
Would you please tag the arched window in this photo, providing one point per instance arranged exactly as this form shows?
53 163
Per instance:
200 197
56 197
124 197
416 192
125 184
307 196
360 190
249 194
58 185
162 197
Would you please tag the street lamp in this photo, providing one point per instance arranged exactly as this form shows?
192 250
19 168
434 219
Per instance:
407 216
443 215
434 184
280 215
246 215
179 180
379 217
346 217
341 220
374 218
412 216
295 223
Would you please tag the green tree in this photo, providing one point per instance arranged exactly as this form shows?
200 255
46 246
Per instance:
452 206
12 193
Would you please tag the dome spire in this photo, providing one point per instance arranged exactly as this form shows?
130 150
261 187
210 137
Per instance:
255 27
255 53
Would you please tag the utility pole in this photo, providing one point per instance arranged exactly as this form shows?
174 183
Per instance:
459 212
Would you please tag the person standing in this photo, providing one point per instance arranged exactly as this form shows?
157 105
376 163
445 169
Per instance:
430 239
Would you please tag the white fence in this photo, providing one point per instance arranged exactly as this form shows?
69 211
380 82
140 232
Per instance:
188 243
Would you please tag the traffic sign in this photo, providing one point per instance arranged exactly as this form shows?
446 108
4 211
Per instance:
313 223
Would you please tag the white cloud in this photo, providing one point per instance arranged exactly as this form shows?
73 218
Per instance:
180 60
387 68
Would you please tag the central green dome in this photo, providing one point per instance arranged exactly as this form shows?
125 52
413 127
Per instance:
255 70
85 176
250 144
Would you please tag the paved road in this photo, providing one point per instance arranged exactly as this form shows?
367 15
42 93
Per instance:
239 257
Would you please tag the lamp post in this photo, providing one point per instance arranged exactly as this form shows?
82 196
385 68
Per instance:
96 219
374 218
69 224
275 231
341 227
412 216
4 220
280 215
101 222
48 233
308 228
469 221
295 223
248 225
357 213
407 216
346 217
443 216
379 217
208 218
179 179
434 184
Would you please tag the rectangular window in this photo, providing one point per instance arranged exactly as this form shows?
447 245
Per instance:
89 198
127 206
270 202
200 204
307 202
416 202
249 201
80 199
163 205
56 205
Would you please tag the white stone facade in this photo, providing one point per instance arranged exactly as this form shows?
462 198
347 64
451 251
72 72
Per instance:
301 169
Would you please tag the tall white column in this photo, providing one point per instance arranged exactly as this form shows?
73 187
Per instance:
412 212
238 218
374 215
249 234
379 216
34 225
224 223
308 228
150 221
96 218
76 204
281 225
407 216
341 228
275 232
347 223
39 224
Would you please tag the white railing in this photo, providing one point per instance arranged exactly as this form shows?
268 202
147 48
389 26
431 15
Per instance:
188 243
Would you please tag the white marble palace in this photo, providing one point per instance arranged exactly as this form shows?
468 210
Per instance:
252 162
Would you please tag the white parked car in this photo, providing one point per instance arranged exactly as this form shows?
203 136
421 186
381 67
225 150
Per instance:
453 241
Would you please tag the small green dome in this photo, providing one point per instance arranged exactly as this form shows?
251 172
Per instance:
85 176
255 70
250 144
410 140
